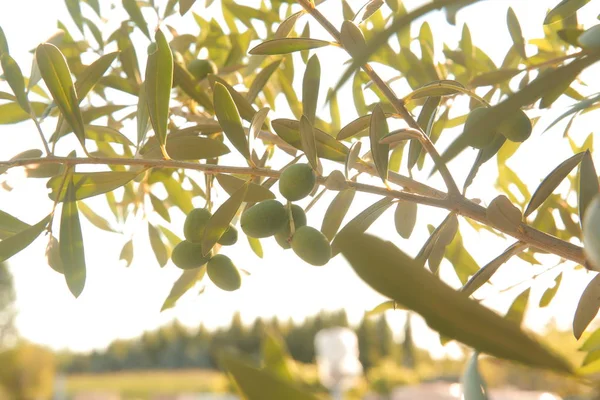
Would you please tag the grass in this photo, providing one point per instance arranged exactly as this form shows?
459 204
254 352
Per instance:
146 384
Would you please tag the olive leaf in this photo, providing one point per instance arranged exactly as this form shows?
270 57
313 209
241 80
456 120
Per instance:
70 241
261 80
158 246
222 217
14 77
405 218
378 128
395 275
310 88
588 183
503 214
229 119
551 182
184 283
587 308
473 385
337 210
309 145
352 158
18 240
287 45
255 193
563 10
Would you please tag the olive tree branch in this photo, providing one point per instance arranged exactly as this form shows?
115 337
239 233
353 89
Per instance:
460 205
396 102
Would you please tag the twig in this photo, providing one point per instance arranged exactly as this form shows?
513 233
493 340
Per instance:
459 205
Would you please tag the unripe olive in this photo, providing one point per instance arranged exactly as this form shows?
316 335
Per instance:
297 181
188 255
299 220
230 236
311 246
223 273
264 219
201 68
478 139
516 127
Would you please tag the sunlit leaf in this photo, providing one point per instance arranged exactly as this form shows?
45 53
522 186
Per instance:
353 156
487 271
588 183
70 240
96 220
383 307
327 146
287 25
127 253
563 10
309 145
591 233
503 214
243 105
514 28
435 89
159 78
516 311
493 77
362 221
287 45
33 153
256 193
256 126
229 119
88 184
551 182
261 79
91 75
310 88
276 357
425 120
135 14
258 384
158 247
392 273
19 240
189 84
256 246
550 292
187 148
587 308
159 206
185 282
405 218
55 72
337 210
378 128
14 77
473 385
352 38
220 220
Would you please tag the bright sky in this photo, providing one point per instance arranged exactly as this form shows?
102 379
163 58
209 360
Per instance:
122 303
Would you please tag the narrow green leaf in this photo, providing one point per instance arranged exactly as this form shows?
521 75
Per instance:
159 206
564 9
258 384
352 158
383 307
514 28
91 74
356 127
158 247
159 78
33 153
444 235
256 126
275 356
189 84
588 183
487 271
10 225
3 43
256 246
590 39
287 45
73 6
516 311
14 77
352 38
309 145
70 240
550 292
88 184
362 221
405 218
18 241
55 73
587 308
220 220
337 210
187 148
184 283
592 342
367 10
261 80
135 14
503 214
436 89
378 128
142 116
244 107
392 273
310 88
256 193
473 385
229 119
127 253
94 218
106 134
327 146
12 113
591 234
551 182
284 29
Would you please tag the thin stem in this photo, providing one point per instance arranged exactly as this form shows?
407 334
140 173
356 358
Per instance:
458 204
396 102
39 129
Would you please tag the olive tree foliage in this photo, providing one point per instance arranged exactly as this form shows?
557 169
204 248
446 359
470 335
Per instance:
204 120
7 309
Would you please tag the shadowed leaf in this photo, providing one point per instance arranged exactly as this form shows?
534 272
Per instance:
337 210
587 308
19 240
70 241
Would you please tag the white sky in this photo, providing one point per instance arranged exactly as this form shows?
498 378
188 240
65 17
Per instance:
122 303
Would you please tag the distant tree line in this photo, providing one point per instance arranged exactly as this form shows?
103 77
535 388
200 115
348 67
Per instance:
177 347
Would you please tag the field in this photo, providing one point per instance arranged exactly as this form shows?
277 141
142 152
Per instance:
147 384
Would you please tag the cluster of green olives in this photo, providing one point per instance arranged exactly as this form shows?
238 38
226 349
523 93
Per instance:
264 219
271 218
188 254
